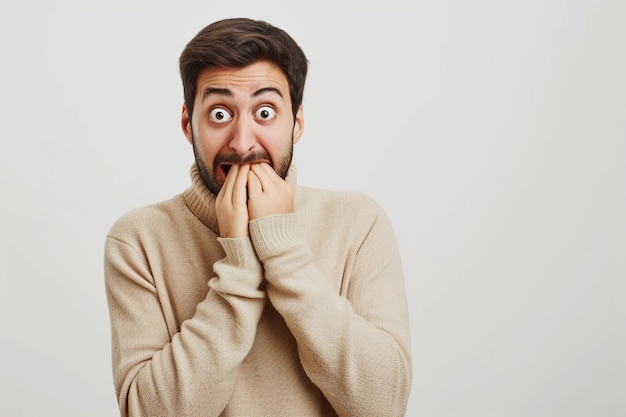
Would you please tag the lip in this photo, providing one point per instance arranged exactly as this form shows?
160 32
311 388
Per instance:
260 161
222 172
224 167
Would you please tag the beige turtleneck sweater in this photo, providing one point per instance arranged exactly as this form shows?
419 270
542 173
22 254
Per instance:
306 317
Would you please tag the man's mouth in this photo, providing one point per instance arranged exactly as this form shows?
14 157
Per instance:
227 166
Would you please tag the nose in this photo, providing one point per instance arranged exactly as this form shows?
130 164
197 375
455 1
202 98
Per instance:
243 139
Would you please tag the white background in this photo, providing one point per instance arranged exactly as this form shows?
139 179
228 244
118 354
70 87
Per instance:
492 132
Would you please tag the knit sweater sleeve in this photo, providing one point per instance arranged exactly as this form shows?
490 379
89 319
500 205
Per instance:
356 347
192 373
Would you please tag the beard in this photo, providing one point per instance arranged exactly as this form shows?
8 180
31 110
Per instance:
207 172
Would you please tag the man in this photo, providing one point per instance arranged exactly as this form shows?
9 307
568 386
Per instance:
247 295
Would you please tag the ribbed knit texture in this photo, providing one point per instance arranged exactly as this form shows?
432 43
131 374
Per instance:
306 317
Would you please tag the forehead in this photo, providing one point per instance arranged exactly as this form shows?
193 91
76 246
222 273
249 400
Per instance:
244 80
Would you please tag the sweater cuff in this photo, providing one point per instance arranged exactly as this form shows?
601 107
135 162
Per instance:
240 273
271 235
240 252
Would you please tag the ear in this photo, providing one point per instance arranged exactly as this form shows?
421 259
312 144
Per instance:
298 126
185 123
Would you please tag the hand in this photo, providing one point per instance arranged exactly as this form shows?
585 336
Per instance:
268 193
230 206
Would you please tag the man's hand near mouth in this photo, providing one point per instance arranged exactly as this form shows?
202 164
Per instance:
268 193
231 206
251 191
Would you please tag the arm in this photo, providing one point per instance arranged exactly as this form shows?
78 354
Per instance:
193 372
355 349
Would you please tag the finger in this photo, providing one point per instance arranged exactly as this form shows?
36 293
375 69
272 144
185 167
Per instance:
255 188
239 186
227 187
265 173
229 182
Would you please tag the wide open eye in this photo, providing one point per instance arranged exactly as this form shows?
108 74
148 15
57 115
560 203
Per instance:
219 115
265 113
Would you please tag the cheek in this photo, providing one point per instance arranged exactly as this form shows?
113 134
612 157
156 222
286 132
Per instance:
209 143
277 137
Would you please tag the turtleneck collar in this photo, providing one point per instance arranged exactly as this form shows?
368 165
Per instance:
201 201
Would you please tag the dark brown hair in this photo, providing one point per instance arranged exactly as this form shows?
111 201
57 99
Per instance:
239 42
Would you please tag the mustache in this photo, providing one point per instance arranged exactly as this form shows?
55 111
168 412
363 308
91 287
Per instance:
233 158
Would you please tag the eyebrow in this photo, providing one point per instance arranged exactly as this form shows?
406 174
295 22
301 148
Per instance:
267 90
226 92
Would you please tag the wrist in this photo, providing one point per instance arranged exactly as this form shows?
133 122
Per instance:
271 235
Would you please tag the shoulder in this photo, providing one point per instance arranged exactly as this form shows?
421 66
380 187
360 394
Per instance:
146 220
351 218
351 205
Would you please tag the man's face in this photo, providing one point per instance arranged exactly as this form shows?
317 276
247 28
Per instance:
241 115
